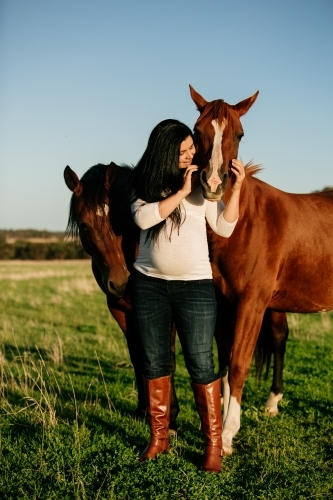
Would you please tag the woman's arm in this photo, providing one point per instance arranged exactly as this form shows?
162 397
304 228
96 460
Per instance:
145 215
167 206
216 220
231 211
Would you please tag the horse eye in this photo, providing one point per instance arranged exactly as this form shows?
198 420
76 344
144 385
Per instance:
240 137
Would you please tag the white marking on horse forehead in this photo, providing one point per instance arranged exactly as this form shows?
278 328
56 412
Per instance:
219 128
216 159
100 211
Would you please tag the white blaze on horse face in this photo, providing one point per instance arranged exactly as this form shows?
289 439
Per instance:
100 211
216 159
231 425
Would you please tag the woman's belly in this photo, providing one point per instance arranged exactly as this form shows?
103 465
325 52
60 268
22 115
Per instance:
186 253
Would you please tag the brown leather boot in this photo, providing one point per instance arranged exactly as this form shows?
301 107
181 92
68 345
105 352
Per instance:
207 399
158 400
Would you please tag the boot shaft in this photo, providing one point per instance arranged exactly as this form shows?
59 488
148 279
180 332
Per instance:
158 393
207 399
208 403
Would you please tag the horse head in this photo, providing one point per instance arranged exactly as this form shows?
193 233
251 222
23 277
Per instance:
218 132
94 217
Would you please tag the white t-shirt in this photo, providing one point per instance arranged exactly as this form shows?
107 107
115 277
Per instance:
185 256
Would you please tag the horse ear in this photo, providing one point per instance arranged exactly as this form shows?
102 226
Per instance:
72 180
197 99
242 107
111 174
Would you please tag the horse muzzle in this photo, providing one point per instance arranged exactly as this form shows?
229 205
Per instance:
116 290
207 191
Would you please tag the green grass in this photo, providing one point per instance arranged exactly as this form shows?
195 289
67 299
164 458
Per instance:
67 401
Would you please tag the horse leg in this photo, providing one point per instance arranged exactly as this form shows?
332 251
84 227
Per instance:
224 338
174 405
280 330
126 324
248 323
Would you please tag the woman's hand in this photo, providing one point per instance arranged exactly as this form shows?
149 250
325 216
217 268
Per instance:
237 174
231 211
189 176
171 202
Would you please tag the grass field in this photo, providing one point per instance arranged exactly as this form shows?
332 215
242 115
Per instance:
67 397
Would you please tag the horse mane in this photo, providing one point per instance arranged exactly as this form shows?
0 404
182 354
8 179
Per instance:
94 194
213 110
251 169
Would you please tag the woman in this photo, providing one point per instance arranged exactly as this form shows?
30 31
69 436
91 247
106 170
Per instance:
172 280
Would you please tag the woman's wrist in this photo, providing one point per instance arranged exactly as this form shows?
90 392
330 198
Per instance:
235 189
168 205
183 193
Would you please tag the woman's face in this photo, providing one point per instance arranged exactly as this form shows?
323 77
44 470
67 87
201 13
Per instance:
186 152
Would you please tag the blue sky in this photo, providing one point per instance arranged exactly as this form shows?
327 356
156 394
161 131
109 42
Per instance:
83 82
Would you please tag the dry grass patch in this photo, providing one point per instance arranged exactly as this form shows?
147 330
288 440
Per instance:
83 285
309 327
18 270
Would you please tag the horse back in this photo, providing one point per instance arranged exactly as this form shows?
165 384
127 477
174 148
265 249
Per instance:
281 249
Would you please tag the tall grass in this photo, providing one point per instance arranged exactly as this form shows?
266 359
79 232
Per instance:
67 399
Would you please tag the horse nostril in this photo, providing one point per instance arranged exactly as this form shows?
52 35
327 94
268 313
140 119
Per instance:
117 291
225 178
111 287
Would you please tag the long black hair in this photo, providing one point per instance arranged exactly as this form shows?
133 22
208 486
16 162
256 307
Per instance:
157 174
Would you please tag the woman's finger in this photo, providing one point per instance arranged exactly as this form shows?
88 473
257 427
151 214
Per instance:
191 169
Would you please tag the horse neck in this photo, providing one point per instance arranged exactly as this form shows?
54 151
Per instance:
117 197
248 200
121 211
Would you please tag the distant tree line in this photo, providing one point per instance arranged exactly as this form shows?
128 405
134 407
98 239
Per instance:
327 188
22 234
23 247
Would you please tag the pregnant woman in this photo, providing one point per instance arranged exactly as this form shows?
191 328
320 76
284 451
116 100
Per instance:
172 280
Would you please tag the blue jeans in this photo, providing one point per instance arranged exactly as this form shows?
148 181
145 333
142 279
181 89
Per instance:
191 305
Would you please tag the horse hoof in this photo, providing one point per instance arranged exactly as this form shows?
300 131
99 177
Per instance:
269 412
227 450
271 407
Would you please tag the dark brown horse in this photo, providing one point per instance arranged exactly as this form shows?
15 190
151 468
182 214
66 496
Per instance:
111 239
279 256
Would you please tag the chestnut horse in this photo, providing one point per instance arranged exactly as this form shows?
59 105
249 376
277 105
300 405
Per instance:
111 239
280 255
